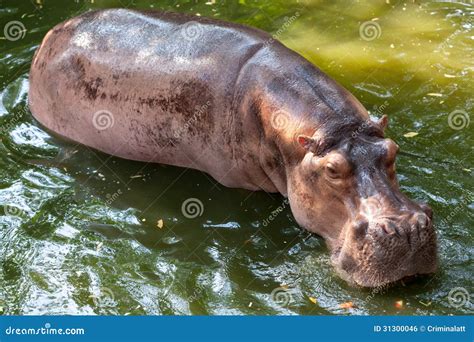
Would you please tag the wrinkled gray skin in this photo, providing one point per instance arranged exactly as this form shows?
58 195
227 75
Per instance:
228 100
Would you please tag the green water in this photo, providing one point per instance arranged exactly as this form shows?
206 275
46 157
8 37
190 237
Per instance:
79 230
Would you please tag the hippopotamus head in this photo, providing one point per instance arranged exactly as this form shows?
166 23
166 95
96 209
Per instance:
346 190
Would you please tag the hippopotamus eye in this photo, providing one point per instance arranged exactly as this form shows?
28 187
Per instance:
332 170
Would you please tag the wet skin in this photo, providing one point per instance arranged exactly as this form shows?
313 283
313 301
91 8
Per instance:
242 107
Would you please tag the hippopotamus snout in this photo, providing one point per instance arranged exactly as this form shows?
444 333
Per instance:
388 248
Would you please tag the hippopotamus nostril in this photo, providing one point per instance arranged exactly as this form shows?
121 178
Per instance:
384 227
360 229
393 228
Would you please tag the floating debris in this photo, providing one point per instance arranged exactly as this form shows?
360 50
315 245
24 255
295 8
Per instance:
313 300
160 224
410 134
346 305
425 304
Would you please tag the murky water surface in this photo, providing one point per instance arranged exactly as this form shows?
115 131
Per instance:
80 231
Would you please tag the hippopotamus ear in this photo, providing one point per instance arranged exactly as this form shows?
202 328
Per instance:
383 122
310 144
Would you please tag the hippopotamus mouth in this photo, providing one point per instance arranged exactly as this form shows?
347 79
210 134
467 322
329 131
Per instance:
376 234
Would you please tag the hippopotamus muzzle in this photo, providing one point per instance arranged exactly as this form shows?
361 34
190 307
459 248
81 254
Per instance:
379 250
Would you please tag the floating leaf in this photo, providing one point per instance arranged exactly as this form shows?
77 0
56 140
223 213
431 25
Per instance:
399 304
346 305
159 224
410 134
313 300
435 94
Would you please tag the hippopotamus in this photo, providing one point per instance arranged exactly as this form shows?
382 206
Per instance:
234 102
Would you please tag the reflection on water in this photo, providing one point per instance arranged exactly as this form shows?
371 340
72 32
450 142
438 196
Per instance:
85 233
